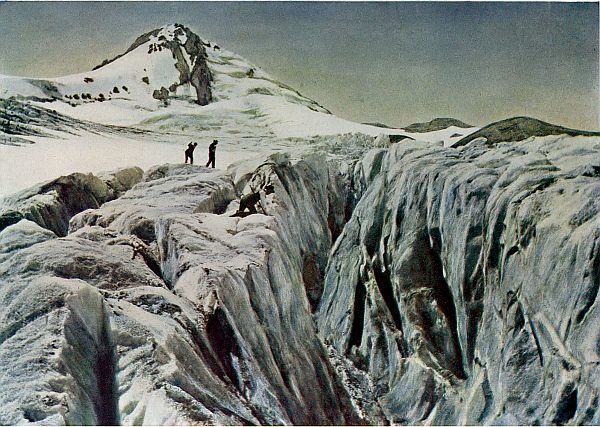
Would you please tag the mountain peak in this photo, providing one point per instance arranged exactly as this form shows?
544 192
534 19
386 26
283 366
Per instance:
185 47
173 32
167 33
156 81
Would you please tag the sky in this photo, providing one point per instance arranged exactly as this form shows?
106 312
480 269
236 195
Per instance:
394 62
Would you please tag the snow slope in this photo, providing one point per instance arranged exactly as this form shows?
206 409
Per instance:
274 109
249 112
23 166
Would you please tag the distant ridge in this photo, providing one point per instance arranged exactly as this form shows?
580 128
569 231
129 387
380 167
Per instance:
435 124
144 38
379 125
518 129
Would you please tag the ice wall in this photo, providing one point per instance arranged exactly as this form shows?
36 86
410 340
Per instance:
406 284
466 283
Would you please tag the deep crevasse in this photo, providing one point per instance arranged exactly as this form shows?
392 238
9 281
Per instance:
466 282
443 299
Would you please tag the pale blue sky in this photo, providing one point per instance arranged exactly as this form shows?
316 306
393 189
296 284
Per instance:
395 63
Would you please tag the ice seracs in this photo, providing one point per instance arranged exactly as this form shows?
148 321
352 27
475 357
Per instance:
370 273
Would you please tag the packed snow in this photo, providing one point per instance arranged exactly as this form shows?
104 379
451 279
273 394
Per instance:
24 166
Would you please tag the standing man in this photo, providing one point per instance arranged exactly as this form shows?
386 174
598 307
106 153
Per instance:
189 153
212 148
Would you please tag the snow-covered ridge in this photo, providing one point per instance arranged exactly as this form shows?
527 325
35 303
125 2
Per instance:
171 58
156 87
162 78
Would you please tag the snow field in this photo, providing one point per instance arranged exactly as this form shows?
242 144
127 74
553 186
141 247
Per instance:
24 166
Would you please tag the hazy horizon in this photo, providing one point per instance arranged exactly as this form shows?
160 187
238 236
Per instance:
394 63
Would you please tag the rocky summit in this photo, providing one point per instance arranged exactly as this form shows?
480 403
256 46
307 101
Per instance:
390 279
189 52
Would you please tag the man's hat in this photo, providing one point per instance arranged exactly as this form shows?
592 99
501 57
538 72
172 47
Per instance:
215 141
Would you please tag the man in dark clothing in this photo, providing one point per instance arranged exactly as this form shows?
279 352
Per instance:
249 201
212 148
189 153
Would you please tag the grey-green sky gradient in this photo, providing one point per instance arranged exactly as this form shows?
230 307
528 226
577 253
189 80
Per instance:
395 63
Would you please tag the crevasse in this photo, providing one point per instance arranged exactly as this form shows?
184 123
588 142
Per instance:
404 284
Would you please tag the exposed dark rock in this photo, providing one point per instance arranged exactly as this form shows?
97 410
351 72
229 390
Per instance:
161 95
397 138
199 76
49 88
379 125
435 124
144 38
518 129
9 217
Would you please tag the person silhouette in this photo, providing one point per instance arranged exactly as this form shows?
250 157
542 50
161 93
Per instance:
212 149
189 152
250 201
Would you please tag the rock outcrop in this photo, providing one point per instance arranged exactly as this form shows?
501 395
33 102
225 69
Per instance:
435 125
518 129
403 284
189 53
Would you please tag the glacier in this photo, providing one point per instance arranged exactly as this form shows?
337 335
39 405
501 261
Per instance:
403 284
440 274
